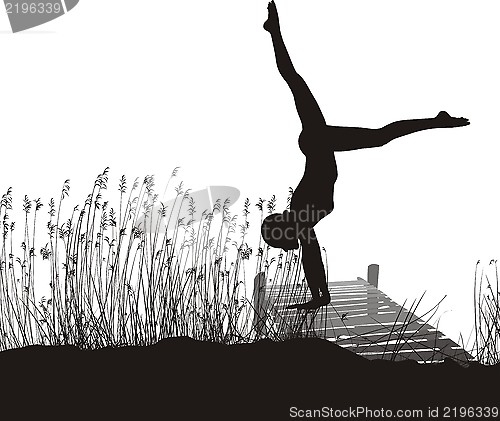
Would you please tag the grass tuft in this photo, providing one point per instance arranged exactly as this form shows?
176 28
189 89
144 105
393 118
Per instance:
115 276
487 315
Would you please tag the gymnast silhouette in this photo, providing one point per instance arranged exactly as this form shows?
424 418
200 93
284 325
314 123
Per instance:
312 200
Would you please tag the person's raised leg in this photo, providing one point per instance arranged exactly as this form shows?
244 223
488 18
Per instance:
352 138
405 127
308 109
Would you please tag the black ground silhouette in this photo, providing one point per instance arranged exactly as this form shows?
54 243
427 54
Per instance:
184 379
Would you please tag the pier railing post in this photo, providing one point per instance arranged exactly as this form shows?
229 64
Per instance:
373 275
259 304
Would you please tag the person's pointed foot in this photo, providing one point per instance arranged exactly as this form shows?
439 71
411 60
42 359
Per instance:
272 23
443 119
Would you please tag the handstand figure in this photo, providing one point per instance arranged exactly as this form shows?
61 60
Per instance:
312 200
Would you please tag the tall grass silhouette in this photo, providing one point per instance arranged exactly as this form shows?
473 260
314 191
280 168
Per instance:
137 272
487 315
115 277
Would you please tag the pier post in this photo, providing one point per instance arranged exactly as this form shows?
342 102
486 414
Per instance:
259 304
373 275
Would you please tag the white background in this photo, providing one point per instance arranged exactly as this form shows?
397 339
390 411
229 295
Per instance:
144 86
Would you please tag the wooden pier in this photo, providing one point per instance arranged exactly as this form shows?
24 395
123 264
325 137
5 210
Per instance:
360 318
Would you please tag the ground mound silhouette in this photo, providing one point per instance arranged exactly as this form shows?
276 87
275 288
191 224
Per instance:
181 378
